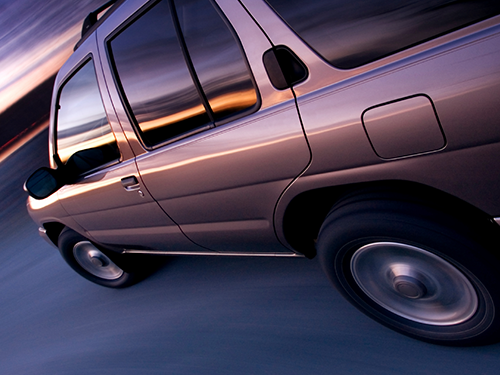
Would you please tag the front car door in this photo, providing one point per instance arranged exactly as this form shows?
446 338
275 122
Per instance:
109 201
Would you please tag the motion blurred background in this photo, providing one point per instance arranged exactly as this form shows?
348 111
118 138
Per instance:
36 37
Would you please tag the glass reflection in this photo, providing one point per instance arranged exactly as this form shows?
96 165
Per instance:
155 79
81 119
352 33
216 57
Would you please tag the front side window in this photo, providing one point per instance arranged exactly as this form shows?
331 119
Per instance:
176 84
350 33
81 120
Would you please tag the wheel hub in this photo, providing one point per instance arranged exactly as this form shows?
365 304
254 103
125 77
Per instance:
409 287
414 283
94 261
97 259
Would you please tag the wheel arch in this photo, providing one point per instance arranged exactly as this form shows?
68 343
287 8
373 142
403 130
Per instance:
53 230
306 212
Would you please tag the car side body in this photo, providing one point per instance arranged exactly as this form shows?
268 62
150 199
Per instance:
261 171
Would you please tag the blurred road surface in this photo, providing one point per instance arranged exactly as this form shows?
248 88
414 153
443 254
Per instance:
201 315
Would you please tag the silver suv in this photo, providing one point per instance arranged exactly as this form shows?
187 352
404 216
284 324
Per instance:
367 132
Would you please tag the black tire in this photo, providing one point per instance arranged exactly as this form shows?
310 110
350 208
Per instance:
95 263
414 268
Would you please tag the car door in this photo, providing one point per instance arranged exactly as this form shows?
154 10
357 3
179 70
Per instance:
108 200
220 143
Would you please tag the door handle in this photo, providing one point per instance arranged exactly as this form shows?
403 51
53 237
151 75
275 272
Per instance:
130 183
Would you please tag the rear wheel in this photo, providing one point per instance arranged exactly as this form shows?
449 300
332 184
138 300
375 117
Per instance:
413 268
94 263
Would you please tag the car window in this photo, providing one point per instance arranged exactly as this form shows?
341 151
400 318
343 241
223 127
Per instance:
173 86
155 80
81 120
350 33
217 58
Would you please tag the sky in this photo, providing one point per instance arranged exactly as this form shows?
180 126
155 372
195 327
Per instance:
36 37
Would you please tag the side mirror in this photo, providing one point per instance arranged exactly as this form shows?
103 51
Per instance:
42 183
45 181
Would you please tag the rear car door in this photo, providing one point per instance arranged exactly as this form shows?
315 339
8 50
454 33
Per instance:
216 143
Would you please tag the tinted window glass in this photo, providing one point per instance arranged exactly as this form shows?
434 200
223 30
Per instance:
81 119
349 33
217 58
155 79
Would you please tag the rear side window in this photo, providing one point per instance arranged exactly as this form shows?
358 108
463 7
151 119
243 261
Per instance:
81 120
155 79
350 33
216 57
176 84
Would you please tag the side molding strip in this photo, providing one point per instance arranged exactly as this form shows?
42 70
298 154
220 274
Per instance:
213 253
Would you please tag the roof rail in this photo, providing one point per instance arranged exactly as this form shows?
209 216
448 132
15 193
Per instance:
91 19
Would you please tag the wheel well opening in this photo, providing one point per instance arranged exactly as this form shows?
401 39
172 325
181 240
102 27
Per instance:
306 212
53 231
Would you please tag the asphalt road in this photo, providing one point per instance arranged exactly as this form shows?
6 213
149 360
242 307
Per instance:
200 315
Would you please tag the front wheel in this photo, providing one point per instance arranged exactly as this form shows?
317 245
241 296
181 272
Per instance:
93 263
415 269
